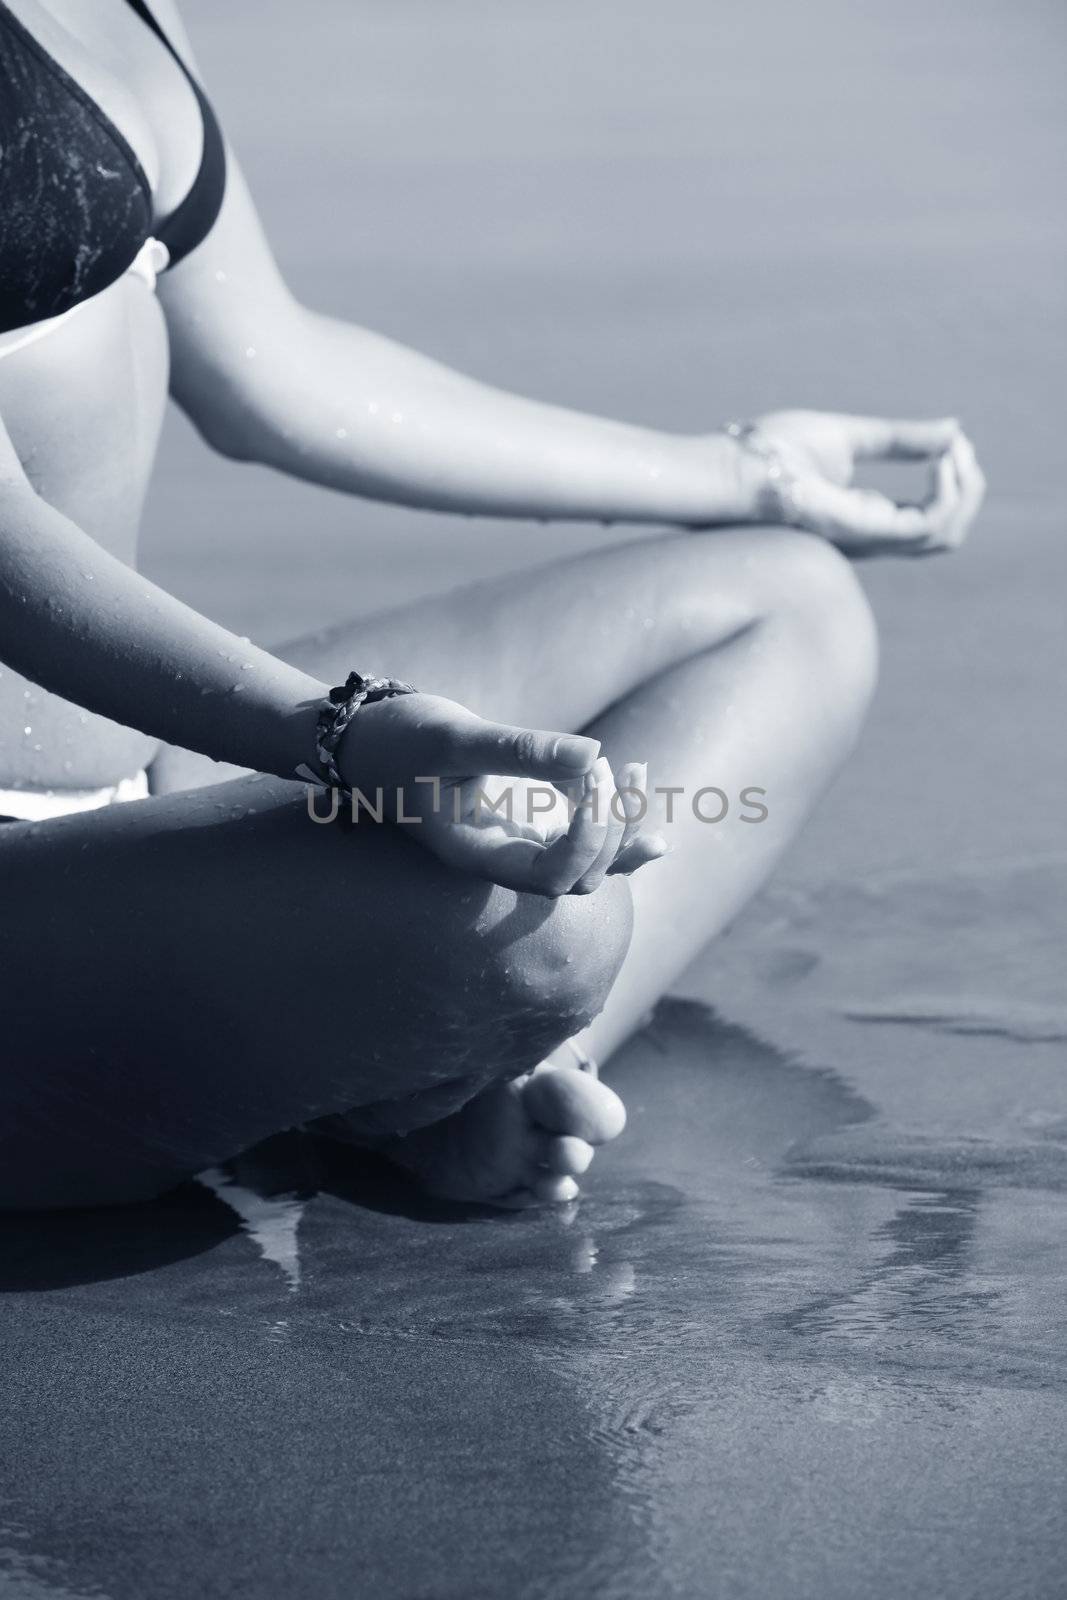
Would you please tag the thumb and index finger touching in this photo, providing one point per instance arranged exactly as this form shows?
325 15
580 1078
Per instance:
900 439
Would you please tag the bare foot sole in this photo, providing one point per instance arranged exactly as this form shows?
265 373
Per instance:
516 1144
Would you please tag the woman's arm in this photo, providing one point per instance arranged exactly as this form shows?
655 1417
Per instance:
83 625
265 379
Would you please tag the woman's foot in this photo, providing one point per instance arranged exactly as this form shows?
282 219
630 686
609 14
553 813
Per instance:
516 1144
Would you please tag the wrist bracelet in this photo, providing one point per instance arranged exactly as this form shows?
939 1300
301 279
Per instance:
338 710
778 498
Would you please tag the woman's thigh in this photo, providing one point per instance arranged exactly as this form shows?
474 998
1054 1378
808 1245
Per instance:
557 645
554 644
185 975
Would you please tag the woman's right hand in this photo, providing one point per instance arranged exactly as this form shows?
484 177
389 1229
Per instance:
818 452
440 760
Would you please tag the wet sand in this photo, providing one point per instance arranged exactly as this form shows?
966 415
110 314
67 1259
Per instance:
803 1334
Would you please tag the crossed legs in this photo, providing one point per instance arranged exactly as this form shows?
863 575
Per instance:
186 975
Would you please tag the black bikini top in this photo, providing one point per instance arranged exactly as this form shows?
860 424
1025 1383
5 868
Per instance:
75 206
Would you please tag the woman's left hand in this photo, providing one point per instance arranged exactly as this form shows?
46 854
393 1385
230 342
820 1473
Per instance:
818 451
537 837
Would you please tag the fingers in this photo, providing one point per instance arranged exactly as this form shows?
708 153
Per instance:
561 864
898 440
862 520
646 847
957 490
589 846
633 798
972 488
478 746
866 522
602 835
610 811
626 849
611 816
932 520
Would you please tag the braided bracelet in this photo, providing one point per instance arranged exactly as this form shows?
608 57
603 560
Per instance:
778 498
338 710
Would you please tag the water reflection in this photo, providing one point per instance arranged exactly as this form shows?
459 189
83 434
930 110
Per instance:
924 1283
757 1272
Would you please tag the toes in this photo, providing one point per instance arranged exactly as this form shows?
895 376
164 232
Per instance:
566 1155
554 1191
544 1190
565 1101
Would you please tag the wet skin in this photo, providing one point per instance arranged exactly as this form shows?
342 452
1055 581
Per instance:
196 935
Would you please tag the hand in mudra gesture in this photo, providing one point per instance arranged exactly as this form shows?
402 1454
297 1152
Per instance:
491 799
563 837
818 451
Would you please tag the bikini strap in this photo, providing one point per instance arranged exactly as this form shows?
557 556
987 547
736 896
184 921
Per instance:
191 221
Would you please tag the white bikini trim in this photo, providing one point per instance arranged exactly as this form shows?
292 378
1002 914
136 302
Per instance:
37 330
151 259
41 805
147 264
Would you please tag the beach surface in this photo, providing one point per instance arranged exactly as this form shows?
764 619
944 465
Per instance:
803 1334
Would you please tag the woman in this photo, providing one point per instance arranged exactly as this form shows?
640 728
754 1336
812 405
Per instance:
190 972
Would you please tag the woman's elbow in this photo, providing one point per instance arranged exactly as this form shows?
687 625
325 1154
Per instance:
227 414
241 394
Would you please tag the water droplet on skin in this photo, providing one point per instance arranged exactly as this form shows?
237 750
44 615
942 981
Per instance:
89 576
342 433
372 407
220 276
246 666
250 351
68 766
27 731
83 719
238 688
37 747
398 416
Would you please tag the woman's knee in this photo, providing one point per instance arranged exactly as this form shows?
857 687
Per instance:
813 589
549 965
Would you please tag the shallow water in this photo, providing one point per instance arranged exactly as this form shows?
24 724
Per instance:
735 1368
802 1336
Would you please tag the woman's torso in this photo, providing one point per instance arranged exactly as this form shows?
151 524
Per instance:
84 405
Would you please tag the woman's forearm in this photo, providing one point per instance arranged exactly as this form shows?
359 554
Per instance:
345 407
84 626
